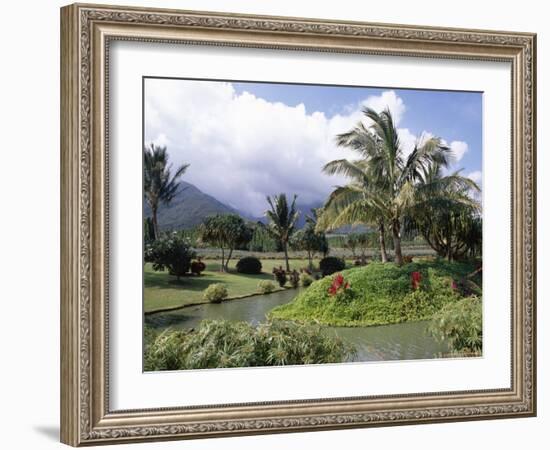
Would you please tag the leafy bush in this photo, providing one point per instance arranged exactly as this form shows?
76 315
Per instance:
249 265
172 252
294 278
280 275
461 324
197 267
381 294
215 293
266 286
217 344
331 264
306 279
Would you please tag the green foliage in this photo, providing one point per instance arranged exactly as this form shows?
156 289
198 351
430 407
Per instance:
148 231
266 286
461 324
227 232
171 252
306 279
380 294
215 293
311 240
262 240
331 264
159 184
249 265
217 344
282 218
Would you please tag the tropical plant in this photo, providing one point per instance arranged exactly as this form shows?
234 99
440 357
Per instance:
217 344
460 323
450 221
159 184
294 278
310 240
280 275
172 252
282 221
227 232
215 293
197 267
385 185
266 286
249 265
148 231
331 264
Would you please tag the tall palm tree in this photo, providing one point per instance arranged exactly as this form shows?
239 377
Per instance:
384 180
159 185
282 220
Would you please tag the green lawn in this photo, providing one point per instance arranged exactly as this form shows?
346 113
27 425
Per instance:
162 291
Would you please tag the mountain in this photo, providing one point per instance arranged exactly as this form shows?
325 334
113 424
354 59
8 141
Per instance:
188 208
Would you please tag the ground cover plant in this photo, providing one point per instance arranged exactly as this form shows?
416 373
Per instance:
378 294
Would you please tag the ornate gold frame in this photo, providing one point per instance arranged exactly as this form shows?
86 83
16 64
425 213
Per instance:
86 31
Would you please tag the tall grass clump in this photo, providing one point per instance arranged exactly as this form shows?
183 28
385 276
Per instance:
460 324
219 343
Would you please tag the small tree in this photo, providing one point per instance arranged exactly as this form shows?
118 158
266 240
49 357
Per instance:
282 221
171 252
310 241
227 232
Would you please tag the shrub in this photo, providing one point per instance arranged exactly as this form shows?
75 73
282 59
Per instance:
460 323
215 293
171 252
197 267
217 344
249 265
294 278
266 286
306 279
331 264
280 275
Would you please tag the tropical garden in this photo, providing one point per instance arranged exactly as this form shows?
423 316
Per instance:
389 267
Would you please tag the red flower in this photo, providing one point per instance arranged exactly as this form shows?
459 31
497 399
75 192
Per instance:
454 286
338 283
416 277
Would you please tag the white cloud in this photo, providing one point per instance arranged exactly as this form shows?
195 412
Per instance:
476 176
242 148
458 149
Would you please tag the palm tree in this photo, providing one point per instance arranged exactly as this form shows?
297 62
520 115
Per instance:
159 185
446 215
384 181
282 220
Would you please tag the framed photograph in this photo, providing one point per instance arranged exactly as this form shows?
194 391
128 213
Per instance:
277 224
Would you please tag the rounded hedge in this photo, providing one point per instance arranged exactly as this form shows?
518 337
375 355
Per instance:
331 264
249 265
215 293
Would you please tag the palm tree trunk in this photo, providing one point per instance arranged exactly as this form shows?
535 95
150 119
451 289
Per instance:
396 231
222 267
155 223
310 258
382 239
286 256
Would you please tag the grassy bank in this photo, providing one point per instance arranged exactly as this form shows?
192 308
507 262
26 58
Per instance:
163 291
379 294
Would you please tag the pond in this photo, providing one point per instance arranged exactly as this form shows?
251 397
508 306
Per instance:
378 343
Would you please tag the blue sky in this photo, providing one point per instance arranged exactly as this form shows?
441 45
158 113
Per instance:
245 141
